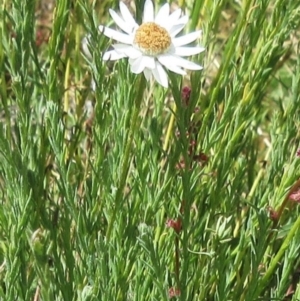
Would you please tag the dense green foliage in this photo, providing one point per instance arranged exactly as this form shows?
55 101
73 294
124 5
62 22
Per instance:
130 191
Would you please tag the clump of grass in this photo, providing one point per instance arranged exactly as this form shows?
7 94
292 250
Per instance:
128 191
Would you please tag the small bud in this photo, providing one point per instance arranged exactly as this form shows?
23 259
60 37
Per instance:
186 94
295 196
273 214
175 224
174 292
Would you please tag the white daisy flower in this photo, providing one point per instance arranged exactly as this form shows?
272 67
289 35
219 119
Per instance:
152 46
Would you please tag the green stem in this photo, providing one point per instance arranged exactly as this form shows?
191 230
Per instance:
274 262
128 147
218 81
177 262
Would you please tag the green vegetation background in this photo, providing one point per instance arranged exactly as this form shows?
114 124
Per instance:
198 207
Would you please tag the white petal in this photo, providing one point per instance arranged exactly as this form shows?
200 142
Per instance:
93 85
162 14
115 35
176 29
148 61
168 62
183 20
173 18
181 62
186 39
138 65
169 21
148 12
127 50
120 22
85 46
187 51
160 75
127 15
112 55
147 73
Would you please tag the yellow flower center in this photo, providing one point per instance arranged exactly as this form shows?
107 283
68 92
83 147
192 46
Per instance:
152 39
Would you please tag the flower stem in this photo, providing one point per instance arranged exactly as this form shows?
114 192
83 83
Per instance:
170 129
128 147
177 261
280 253
293 189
